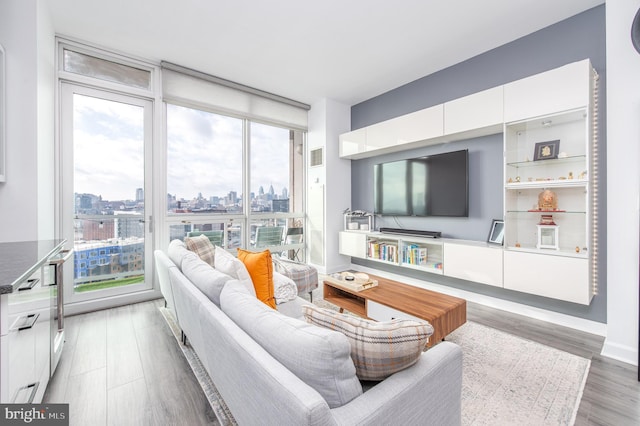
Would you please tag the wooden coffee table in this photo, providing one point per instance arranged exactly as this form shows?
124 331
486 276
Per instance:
445 313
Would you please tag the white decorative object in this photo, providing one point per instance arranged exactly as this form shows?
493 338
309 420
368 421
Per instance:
358 220
548 237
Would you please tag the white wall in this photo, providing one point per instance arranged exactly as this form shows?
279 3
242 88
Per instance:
18 195
327 120
46 121
27 197
623 182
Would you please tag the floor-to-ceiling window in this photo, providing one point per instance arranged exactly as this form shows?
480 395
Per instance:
106 140
135 172
204 175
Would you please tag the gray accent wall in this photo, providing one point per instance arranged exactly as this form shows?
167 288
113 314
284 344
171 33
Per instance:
485 189
579 37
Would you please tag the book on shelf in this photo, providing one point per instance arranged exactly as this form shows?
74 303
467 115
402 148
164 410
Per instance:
383 251
413 254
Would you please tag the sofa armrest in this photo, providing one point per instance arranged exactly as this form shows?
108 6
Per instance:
429 392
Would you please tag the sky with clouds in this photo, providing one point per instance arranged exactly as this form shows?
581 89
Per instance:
204 152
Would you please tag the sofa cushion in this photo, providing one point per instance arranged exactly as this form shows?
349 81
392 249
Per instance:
378 349
317 356
176 251
203 276
260 269
228 264
202 247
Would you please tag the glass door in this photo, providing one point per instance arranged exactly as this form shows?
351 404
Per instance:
105 196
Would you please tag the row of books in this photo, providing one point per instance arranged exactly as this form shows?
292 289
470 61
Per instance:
383 251
413 254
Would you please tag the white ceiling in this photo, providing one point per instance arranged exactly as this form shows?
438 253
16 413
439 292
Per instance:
345 50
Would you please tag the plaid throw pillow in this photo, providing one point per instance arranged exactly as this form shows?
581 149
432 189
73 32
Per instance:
201 246
378 349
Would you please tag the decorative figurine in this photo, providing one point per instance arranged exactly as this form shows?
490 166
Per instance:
517 178
570 175
547 201
510 180
577 249
518 245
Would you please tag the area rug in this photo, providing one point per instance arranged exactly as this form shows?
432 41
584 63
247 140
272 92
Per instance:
506 380
220 409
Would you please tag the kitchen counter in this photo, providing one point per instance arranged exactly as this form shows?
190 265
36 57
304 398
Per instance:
23 258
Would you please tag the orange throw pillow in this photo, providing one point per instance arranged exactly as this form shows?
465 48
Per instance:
260 269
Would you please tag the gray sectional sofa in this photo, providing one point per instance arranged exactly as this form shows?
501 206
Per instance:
273 368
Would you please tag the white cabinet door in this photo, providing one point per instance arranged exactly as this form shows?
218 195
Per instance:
352 143
352 244
558 277
421 125
20 344
477 111
481 264
557 90
381 135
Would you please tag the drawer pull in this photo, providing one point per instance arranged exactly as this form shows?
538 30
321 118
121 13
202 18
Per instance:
32 388
29 284
61 257
26 322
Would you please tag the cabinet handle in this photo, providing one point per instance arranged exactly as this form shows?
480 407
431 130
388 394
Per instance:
29 284
32 387
28 322
61 257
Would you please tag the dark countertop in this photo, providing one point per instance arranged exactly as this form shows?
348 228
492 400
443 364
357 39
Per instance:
21 259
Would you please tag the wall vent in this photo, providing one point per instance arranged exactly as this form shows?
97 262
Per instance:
315 157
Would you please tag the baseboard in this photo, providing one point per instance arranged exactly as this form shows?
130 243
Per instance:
110 302
557 318
620 352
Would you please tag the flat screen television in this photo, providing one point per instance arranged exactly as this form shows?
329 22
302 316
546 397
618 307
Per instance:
433 185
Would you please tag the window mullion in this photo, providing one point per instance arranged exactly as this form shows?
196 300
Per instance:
246 176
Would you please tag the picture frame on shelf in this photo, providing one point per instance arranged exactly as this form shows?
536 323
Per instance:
496 232
546 150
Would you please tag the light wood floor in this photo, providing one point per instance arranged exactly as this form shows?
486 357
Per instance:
123 367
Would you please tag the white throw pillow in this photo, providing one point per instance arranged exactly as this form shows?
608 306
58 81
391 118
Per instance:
378 349
284 289
226 263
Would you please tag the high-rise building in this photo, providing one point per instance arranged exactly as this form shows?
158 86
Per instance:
139 194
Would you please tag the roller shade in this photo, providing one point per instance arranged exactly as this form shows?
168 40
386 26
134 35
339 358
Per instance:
188 87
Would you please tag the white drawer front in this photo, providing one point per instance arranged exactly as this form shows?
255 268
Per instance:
379 312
